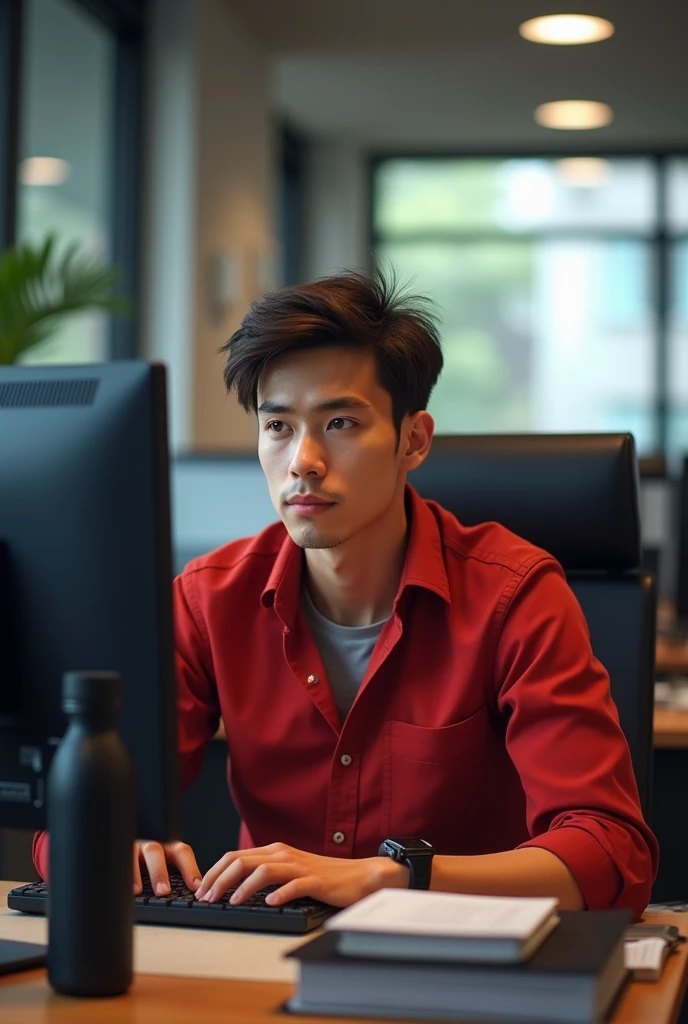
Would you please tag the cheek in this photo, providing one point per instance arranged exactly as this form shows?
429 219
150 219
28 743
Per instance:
270 464
374 475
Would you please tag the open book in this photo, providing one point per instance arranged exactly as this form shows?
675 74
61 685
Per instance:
418 925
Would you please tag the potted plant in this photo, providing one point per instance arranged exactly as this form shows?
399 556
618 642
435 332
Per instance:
38 287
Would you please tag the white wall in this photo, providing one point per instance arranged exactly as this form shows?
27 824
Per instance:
336 208
169 207
235 205
209 200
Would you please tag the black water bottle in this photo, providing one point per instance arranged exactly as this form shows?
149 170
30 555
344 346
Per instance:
91 821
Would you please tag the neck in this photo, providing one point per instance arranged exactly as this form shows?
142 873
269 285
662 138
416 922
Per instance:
355 583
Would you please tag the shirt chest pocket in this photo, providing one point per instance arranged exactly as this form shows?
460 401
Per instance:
433 780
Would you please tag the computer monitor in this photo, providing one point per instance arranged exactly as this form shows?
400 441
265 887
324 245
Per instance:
85 573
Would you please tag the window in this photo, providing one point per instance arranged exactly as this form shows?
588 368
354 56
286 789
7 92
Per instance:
544 271
677 209
70 148
65 153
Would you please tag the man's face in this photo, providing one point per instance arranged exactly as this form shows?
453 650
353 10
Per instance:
327 444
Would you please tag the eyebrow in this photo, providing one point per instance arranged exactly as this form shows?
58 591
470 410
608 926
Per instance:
332 405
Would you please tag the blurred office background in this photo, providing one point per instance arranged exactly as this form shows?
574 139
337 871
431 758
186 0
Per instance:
215 149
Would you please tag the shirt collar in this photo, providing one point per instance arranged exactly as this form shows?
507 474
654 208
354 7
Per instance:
423 566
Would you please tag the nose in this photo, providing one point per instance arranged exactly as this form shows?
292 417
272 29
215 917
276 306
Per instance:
307 459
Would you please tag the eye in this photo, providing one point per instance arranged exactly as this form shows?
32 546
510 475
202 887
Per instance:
341 423
275 426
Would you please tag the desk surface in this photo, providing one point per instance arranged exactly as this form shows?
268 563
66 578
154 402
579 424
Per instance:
671 656
157 998
670 728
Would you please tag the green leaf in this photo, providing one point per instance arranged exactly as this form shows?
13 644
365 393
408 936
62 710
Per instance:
38 288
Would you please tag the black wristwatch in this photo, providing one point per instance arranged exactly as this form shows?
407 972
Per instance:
416 854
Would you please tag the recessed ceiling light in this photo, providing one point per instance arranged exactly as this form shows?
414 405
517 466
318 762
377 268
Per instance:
566 29
43 170
574 115
582 171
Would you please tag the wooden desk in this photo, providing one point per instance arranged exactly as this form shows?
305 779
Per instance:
670 728
26 998
671 657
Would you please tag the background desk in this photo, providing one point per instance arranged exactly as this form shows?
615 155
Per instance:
671 657
670 729
158 996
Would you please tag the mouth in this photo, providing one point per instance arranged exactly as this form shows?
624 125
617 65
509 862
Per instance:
309 505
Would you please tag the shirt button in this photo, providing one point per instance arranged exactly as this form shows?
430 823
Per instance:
346 759
338 837
312 680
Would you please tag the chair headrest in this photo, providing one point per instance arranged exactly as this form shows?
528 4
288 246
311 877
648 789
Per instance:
575 495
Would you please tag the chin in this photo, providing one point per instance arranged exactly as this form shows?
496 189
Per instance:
311 537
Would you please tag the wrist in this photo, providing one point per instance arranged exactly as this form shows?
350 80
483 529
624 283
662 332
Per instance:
389 874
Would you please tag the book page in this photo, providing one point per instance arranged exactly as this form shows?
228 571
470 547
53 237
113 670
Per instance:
645 953
416 912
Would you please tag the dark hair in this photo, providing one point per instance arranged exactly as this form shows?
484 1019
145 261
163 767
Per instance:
348 309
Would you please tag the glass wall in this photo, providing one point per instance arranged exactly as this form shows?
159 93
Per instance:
64 185
544 271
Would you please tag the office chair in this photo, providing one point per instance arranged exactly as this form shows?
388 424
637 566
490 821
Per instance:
576 496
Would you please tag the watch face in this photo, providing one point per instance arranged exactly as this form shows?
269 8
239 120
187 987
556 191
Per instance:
407 845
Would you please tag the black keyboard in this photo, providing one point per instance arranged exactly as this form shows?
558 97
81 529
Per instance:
181 909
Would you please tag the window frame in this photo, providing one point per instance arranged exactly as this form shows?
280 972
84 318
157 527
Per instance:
126 19
660 240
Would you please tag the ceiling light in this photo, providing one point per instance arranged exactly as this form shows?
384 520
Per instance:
573 115
582 171
43 170
566 29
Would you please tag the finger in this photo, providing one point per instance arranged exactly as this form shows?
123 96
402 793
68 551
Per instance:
296 889
264 874
249 858
183 857
154 857
138 884
231 876
213 873
259 853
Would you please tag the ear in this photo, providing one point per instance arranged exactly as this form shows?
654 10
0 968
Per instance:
416 437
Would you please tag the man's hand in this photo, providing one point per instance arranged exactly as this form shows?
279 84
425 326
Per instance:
331 879
156 857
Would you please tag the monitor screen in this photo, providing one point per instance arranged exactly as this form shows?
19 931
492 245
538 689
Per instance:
85 573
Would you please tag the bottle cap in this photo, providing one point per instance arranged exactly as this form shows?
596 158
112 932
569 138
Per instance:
92 692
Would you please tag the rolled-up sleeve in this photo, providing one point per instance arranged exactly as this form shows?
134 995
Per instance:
564 738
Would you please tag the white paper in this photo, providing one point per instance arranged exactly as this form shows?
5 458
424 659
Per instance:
645 953
417 912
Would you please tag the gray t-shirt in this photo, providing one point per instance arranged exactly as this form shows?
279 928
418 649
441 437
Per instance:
345 651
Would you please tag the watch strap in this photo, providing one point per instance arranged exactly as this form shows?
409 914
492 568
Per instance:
420 867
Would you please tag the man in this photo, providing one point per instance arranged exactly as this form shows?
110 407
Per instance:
384 672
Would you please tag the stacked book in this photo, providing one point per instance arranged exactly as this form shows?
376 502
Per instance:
412 954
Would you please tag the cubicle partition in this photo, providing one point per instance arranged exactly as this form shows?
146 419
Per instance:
215 499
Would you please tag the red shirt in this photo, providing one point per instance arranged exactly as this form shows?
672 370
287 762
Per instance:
483 722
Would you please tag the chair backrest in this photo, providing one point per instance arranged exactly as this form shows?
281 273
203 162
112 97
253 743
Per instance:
576 496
